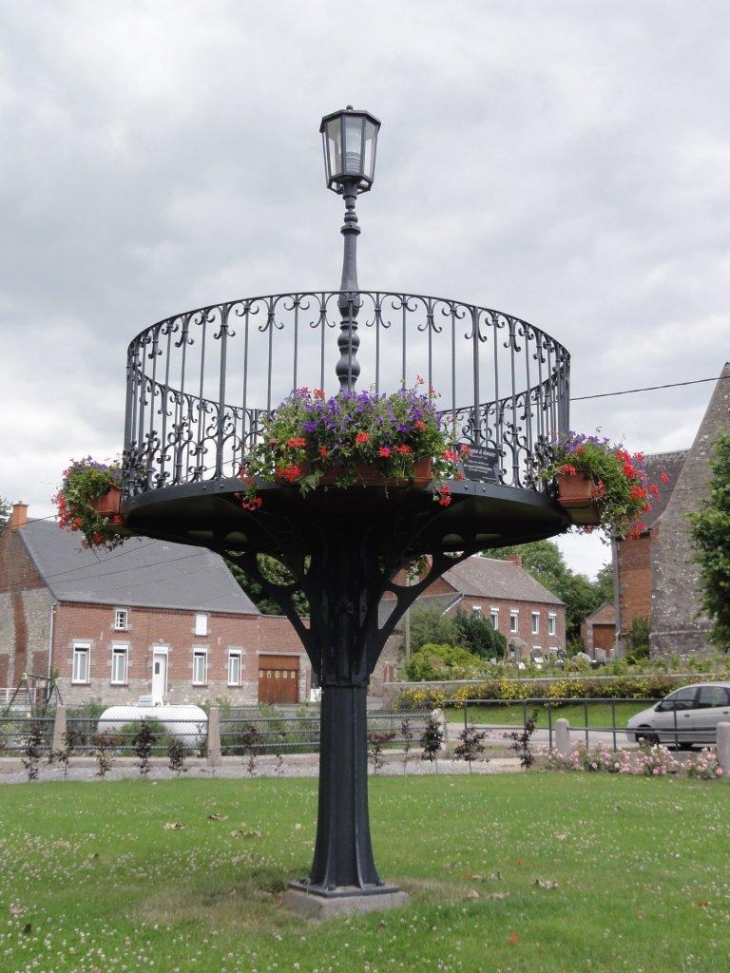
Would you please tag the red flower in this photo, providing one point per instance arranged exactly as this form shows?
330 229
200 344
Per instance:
297 441
322 450
464 449
384 451
451 455
568 470
419 425
289 473
403 450
664 477
637 492
319 393
362 437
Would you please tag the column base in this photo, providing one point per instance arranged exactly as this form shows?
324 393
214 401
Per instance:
317 903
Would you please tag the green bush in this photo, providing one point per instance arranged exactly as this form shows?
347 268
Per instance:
433 661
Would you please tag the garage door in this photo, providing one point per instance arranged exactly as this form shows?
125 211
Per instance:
278 679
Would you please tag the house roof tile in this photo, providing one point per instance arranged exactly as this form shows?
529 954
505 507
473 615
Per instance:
142 572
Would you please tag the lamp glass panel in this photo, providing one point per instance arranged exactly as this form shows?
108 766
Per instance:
334 147
353 145
371 132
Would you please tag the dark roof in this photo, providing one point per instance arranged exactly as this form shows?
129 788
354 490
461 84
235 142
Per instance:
485 577
656 464
142 572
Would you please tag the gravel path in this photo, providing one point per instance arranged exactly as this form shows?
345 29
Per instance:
292 765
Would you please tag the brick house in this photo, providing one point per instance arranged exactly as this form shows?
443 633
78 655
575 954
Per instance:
149 619
655 576
528 615
598 632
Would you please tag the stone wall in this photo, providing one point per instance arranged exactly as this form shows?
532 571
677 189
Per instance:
676 626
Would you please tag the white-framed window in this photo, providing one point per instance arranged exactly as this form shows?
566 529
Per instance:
552 623
535 623
200 667
120 659
201 623
234 667
514 621
121 619
494 618
81 662
476 610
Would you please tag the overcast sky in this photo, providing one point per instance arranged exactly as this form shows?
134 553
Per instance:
567 162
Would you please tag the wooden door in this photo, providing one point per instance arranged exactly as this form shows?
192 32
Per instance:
278 679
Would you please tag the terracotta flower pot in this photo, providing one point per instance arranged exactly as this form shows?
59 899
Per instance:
110 504
577 495
370 476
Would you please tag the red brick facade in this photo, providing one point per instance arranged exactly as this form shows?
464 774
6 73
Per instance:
118 653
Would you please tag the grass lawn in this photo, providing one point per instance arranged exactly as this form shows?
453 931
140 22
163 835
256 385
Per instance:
525 872
512 714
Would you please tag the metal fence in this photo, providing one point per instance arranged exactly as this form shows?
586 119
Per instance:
614 728
199 382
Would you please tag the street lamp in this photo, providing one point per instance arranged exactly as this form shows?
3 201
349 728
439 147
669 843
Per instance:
350 140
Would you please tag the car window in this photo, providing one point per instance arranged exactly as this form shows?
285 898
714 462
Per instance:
711 696
682 699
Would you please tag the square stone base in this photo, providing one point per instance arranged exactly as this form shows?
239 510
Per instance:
317 905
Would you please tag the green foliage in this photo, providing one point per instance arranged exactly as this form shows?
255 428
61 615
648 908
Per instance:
277 574
654 685
710 527
478 635
638 639
434 661
4 513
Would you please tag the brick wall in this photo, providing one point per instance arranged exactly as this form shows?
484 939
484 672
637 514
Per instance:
634 585
174 631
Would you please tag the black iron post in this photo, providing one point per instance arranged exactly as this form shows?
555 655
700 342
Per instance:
348 367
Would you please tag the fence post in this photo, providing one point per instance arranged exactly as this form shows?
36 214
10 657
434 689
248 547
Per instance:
723 746
214 737
562 737
59 728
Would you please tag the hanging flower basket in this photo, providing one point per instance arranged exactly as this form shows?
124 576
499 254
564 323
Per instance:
89 501
599 483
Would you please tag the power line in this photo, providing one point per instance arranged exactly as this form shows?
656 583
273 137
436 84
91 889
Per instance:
648 388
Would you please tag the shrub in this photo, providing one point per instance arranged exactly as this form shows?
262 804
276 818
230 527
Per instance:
433 661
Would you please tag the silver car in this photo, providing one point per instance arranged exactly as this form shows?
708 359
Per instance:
687 716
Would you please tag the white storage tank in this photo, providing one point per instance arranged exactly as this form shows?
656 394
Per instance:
184 722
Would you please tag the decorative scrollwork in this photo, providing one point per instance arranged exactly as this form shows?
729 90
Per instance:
504 383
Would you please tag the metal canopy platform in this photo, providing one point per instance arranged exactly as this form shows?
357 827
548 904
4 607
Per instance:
200 383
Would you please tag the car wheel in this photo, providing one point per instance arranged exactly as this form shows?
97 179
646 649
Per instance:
645 734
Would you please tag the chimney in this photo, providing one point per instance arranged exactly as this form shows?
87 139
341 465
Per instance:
18 515
515 559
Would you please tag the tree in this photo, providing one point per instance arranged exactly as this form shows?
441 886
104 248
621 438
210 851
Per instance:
273 571
545 562
479 636
4 514
710 532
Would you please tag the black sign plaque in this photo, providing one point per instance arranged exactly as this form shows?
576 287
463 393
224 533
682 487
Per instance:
482 464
